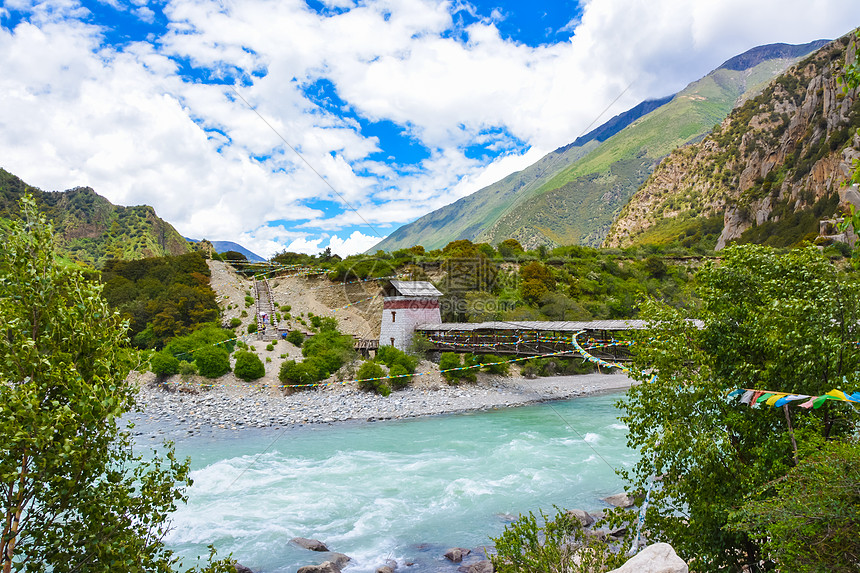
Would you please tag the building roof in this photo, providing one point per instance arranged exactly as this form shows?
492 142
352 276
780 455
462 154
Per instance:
553 326
412 288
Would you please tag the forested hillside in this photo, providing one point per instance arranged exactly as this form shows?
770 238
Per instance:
90 229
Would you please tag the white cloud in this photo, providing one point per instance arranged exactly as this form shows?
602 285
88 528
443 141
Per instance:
130 123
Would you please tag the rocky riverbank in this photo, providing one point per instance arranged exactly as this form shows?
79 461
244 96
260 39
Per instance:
233 404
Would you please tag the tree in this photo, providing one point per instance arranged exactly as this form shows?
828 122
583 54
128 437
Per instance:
811 522
73 495
212 361
771 322
249 366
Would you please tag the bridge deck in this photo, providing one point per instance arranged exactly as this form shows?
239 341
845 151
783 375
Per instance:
529 337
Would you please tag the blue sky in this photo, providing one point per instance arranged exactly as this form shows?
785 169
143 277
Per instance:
395 107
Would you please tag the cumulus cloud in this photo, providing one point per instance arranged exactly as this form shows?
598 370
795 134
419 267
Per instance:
200 118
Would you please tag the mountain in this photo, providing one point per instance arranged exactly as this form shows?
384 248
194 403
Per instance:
90 229
773 168
224 246
572 194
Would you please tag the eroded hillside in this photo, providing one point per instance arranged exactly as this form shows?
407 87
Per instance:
767 174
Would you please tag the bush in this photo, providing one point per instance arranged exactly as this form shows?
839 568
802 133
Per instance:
494 364
252 328
448 361
399 377
184 347
187 369
249 366
212 361
163 364
391 356
295 337
558 545
234 322
368 378
294 373
270 347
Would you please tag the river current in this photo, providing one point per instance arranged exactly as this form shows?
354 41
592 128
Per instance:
404 490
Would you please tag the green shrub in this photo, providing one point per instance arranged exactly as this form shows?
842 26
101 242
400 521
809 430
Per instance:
368 378
447 361
399 377
248 366
187 369
526 546
494 364
163 364
183 347
252 328
270 347
295 337
298 373
212 361
286 308
391 356
244 314
249 301
234 322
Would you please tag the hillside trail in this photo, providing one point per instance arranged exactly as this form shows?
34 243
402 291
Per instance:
305 296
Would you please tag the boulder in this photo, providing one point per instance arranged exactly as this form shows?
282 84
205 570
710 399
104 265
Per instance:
619 500
456 554
324 567
484 566
384 569
584 518
618 532
339 559
312 544
241 568
657 558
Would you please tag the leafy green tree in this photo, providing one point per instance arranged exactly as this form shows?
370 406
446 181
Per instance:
811 521
212 361
73 495
771 322
248 366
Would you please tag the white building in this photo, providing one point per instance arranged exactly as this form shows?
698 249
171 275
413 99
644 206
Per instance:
406 305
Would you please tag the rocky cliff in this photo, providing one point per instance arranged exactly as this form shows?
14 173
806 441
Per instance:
767 174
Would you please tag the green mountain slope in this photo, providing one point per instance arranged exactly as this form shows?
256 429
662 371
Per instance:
573 194
90 229
769 173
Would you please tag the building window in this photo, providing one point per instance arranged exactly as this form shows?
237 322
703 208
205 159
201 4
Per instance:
393 316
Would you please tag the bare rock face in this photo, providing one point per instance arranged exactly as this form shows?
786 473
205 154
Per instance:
774 156
312 544
657 558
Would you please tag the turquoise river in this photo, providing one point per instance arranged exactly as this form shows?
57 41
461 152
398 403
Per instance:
405 490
